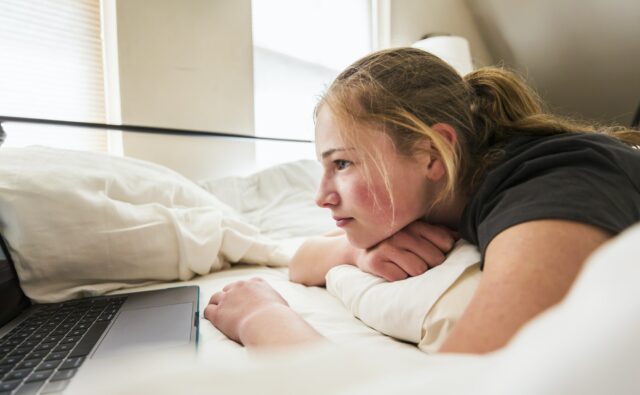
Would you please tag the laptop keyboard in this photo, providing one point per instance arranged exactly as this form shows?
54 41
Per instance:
44 352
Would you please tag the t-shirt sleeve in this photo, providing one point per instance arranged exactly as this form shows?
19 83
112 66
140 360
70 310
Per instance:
581 186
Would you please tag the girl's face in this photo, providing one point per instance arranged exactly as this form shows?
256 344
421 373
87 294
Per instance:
361 208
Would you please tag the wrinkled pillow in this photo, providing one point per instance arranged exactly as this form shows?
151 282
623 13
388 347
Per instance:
280 200
420 309
81 224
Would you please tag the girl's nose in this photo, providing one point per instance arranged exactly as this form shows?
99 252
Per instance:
327 198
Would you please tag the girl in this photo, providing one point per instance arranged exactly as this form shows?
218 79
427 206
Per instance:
414 154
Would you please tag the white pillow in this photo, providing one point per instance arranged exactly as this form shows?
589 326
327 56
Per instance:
280 200
423 307
448 309
81 223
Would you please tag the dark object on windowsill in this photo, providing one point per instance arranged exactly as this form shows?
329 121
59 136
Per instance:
3 135
435 34
635 124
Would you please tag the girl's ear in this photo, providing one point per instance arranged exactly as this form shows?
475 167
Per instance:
447 131
435 167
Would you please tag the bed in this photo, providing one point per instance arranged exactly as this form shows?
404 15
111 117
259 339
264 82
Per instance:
135 225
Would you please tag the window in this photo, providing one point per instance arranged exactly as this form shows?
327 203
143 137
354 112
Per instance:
52 67
300 46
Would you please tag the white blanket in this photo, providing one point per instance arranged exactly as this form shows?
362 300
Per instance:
82 223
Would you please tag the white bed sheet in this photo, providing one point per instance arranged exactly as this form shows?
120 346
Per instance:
323 311
587 344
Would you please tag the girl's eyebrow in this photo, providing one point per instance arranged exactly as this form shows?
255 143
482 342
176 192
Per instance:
334 150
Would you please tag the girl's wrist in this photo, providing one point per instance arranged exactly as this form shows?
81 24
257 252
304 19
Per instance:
255 322
275 325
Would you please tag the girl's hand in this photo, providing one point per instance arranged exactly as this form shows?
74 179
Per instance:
231 309
411 251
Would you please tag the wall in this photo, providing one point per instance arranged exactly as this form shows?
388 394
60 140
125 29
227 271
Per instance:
582 56
187 64
411 19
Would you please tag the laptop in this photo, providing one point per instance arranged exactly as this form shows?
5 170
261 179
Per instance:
42 346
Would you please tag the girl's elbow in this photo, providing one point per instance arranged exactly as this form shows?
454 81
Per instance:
302 277
294 274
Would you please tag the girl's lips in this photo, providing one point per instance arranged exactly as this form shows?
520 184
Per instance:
340 222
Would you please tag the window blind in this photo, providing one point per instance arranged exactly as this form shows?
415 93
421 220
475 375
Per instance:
51 67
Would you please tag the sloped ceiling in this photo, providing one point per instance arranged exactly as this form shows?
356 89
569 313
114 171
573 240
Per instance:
583 56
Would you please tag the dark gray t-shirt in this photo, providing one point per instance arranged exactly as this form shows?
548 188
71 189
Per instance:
581 177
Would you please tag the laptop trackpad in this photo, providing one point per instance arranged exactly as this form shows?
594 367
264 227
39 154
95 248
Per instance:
148 328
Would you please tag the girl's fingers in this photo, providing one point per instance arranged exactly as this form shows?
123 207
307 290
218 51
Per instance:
210 312
423 249
215 298
392 272
409 262
441 237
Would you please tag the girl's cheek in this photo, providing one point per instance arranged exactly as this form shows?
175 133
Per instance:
375 200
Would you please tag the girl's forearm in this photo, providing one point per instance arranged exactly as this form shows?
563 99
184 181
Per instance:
317 256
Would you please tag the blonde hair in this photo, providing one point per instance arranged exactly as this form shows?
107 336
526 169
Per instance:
402 92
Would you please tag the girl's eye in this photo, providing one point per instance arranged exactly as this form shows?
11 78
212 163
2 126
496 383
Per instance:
341 164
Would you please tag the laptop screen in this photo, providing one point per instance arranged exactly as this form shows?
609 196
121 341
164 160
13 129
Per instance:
12 300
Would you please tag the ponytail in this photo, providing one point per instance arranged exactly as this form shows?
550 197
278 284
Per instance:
501 98
504 106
